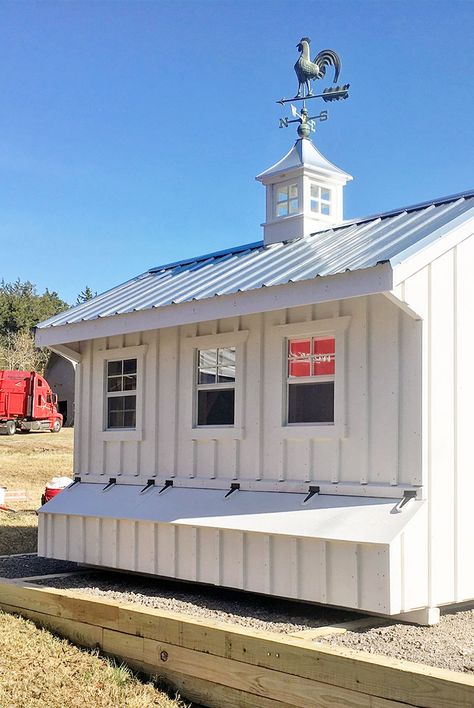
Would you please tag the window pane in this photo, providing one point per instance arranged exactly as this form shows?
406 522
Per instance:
282 194
315 191
207 366
121 412
129 403
114 383
115 419
226 370
282 209
114 368
130 366
315 206
206 378
115 403
325 209
325 194
300 367
130 382
324 357
293 191
311 402
216 407
226 356
298 348
129 419
293 206
207 358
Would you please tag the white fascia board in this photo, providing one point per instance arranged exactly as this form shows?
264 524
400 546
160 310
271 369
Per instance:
341 286
418 256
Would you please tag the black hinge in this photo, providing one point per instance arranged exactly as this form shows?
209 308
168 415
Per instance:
76 481
111 482
150 483
168 483
407 495
233 488
312 490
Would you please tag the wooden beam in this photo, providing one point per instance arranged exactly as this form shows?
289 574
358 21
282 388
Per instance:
252 659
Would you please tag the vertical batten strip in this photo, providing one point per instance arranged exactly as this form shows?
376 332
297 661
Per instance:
323 569
365 373
260 389
156 548
176 400
457 521
294 568
394 477
78 397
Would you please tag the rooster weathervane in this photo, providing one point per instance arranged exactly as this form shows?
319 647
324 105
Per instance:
307 71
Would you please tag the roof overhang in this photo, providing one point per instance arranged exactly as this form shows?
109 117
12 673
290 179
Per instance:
378 279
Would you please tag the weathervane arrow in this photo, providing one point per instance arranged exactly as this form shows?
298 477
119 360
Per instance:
307 71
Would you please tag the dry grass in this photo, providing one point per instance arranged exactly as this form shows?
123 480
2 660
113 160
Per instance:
28 462
38 669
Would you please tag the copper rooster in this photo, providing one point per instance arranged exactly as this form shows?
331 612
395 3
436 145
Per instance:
307 70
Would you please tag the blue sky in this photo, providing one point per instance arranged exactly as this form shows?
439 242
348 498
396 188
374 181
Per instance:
131 132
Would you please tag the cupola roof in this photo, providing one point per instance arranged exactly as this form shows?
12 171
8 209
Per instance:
304 154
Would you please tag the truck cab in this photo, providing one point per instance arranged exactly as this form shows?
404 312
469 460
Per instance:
27 403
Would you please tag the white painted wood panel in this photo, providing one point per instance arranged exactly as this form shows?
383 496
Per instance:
380 443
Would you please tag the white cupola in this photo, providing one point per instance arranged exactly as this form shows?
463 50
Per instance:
304 194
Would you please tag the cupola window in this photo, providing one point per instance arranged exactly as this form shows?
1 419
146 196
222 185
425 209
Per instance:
286 199
320 200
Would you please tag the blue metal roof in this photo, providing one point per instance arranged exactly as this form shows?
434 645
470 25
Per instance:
352 245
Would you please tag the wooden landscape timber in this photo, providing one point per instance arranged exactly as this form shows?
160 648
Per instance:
222 664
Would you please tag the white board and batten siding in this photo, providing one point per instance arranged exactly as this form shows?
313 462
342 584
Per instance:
442 293
376 440
373 449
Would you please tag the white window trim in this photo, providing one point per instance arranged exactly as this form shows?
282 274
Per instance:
118 354
320 200
334 327
191 346
276 203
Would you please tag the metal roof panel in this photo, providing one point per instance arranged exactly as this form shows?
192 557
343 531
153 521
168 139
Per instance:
353 245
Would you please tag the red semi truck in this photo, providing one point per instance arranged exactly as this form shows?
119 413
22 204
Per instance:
27 403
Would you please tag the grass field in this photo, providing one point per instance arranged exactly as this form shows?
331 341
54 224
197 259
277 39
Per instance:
40 670
28 462
37 669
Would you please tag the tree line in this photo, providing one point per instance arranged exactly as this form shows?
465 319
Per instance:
21 308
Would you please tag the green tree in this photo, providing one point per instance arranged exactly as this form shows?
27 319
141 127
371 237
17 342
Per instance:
21 308
85 295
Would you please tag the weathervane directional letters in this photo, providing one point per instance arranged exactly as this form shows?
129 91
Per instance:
307 71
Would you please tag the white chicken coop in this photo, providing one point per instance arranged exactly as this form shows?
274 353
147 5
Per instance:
288 417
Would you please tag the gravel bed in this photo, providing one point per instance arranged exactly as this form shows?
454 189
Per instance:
447 645
26 565
210 603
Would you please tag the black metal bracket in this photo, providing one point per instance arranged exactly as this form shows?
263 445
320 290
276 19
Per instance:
76 481
168 483
150 483
111 482
234 487
407 495
312 490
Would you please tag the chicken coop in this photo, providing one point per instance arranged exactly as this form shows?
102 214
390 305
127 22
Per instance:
288 417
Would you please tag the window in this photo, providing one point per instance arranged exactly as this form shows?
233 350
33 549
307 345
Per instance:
320 200
215 383
286 199
121 387
310 380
